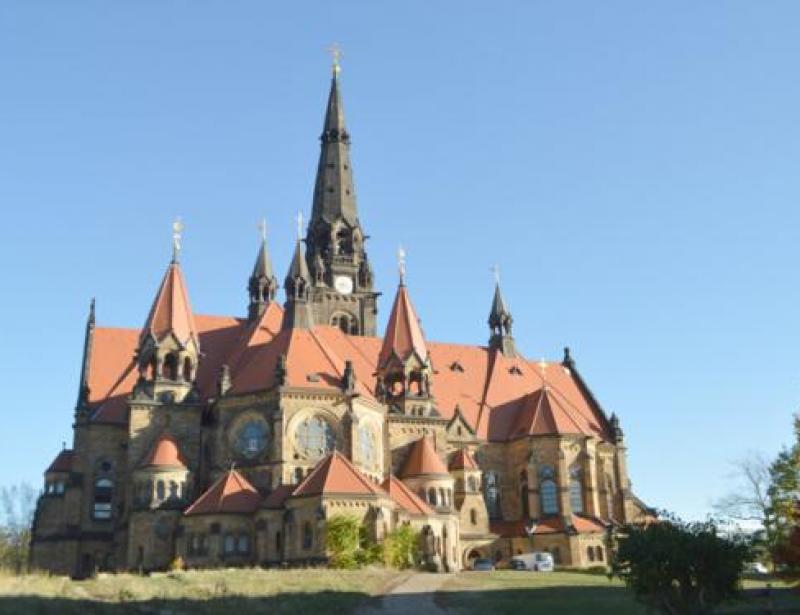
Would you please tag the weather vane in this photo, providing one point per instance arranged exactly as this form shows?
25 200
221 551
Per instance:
262 229
177 233
336 53
299 225
401 263
495 269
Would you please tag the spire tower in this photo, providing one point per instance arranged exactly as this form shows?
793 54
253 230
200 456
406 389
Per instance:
298 285
342 279
262 284
500 322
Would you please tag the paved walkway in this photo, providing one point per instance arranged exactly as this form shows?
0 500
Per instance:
414 595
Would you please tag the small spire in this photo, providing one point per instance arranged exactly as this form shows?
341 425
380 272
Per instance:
299 225
262 284
177 235
401 264
500 320
88 343
568 361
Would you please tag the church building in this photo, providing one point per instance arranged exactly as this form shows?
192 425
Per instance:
231 440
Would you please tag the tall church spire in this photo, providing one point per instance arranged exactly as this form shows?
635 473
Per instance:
500 323
263 284
342 293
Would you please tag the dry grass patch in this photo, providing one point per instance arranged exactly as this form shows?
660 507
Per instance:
196 591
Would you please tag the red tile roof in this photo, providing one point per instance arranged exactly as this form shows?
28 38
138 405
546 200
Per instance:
405 498
231 493
500 397
423 459
403 337
62 462
165 453
278 496
463 460
171 312
335 474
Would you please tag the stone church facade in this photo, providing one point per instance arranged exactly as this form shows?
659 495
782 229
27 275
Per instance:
231 440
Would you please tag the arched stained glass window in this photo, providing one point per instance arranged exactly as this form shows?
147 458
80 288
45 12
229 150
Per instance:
575 490
315 437
366 445
548 493
252 439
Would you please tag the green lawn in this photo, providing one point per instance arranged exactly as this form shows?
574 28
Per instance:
219 591
505 591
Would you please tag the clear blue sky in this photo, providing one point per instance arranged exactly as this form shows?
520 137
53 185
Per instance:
632 166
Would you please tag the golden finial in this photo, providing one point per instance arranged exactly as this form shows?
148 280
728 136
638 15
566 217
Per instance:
543 367
299 225
336 53
401 264
177 234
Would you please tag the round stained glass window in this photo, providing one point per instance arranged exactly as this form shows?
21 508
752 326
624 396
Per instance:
252 439
315 437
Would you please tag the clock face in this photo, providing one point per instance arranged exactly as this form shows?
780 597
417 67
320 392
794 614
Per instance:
343 284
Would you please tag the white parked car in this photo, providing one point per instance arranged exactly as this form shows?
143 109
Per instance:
540 561
755 568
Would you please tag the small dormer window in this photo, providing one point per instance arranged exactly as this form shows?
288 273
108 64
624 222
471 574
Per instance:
515 371
455 366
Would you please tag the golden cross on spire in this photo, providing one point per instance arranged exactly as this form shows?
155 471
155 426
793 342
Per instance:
401 264
262 229
299 225
336 54
177 234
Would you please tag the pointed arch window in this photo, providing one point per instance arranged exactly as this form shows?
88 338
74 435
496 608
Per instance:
548 493
491 494
576 489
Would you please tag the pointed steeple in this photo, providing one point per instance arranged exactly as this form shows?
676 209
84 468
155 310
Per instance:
171 313
334 196
335 250
169 344
81 407
403 338
500 322
405 373
263 285
297 285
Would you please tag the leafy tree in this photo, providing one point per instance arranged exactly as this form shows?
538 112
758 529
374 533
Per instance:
17 504
784 494
679 568
401 548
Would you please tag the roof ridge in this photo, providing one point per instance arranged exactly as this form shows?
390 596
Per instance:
566 406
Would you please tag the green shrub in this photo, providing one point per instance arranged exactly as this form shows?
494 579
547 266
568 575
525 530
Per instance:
343 541
401 548
678 567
